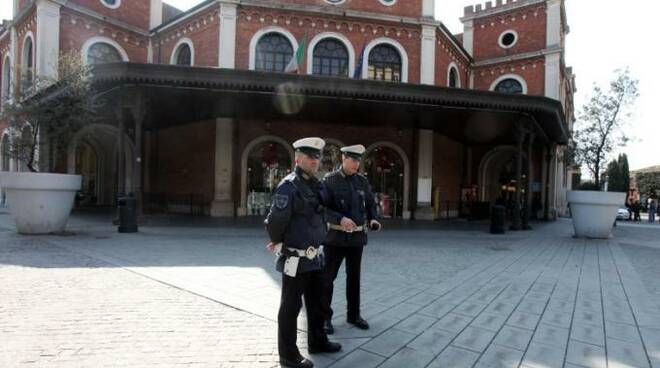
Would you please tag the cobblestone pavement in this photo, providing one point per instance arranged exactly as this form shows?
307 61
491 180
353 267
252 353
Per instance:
207 296
64 309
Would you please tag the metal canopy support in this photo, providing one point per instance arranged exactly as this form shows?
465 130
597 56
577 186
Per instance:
528 192
546 205
520 136
139 113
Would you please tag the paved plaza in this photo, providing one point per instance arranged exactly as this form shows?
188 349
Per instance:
199 292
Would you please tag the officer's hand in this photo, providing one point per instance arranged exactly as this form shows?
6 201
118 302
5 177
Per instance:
375 225
347 224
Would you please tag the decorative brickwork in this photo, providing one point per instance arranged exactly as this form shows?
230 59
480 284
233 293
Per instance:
77 28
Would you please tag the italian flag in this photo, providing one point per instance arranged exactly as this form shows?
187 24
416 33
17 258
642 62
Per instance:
297 59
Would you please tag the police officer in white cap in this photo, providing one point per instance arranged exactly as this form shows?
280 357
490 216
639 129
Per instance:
351 211
296 226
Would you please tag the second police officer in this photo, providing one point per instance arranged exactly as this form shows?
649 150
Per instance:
296 227
351 211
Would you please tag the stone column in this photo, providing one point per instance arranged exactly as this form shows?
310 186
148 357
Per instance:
424 210
520 135
428 8
223 203
427 58
155 14
48 39
553 76
227 49
468 36
553 23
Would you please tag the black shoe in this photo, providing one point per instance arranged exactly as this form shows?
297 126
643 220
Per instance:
328 327
301 362
359 323
327 347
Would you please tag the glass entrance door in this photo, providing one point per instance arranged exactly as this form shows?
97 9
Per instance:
383 166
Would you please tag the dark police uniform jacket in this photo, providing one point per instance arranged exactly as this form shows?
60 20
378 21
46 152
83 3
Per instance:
297 217
351 197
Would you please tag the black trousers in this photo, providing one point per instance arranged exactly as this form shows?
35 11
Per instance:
310 286
333 259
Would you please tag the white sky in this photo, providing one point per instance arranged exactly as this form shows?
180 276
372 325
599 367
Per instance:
605 35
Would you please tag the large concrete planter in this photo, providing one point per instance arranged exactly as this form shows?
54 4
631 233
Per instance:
40 203
594 212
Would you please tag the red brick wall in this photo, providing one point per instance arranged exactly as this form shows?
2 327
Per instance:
447 167
133 12
359 33
202 30
405 8
348 134
445 54
75 29
529 22
186 156
531 70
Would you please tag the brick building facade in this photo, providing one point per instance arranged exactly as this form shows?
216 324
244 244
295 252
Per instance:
229 164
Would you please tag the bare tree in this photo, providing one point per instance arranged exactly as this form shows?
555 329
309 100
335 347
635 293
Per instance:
54 109
599 126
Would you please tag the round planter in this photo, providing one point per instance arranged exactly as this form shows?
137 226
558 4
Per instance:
40 203
594 212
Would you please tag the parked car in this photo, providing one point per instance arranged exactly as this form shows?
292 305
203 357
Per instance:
622 213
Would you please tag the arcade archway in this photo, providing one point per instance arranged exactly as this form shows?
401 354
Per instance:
386 169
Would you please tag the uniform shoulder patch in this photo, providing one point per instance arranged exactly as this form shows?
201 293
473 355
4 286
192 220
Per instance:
280 201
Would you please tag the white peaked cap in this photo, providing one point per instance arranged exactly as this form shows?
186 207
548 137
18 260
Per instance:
310 142
357 149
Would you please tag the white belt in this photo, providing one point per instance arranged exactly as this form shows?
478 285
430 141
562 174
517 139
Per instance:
341 228
309 253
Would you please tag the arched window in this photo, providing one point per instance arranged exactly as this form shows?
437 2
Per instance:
28 62
6 79
112 4
385 63
330 58
101 52
183 55
274 51
4 144
453 78
331 158
509 85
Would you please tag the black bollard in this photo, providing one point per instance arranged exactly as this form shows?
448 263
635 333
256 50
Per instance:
127 214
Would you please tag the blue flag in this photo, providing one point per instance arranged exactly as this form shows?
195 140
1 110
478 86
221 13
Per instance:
358 68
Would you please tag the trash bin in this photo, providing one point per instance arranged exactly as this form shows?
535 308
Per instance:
497 216
127 214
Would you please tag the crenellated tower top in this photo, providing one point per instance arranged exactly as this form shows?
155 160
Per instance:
490 8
